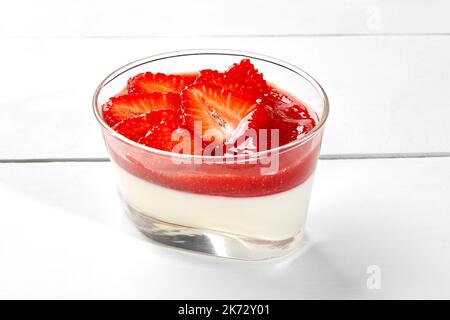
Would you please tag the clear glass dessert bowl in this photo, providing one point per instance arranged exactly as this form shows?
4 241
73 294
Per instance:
250 206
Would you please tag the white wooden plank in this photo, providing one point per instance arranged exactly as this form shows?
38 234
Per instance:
387 94
62 235
232 17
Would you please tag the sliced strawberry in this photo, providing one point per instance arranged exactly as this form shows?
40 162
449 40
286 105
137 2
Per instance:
132 105
149 82
246 74
283 112
291 119
257 125
217 109
219 79
289 132
260 119
212 76
136 128
241 78
275 96
160 136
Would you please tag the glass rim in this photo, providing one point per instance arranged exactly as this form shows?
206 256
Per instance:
226 52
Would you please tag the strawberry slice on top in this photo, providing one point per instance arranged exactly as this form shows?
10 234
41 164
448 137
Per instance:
219 79
165 122
213 77
149 82
246 74
137 127
223 105
241 78
218 110
132 105
291 117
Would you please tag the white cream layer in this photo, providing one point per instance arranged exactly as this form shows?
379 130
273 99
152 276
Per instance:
273 217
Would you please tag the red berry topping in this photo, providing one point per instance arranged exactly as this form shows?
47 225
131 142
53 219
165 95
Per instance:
218 110
246 74
261 118
165 123
137 127
132 105
292 119
149 82
160 111
225 105
241 78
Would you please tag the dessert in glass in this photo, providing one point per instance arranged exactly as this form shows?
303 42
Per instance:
214 150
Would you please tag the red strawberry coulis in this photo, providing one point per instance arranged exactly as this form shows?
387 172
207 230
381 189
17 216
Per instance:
219 112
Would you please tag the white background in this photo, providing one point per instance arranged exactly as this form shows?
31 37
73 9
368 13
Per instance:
381 195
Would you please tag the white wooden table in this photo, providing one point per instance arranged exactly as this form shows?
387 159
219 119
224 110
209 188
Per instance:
381 195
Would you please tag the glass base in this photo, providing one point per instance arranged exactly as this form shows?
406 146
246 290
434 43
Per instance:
210 242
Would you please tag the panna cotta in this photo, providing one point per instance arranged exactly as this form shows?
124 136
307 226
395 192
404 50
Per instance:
284 212
222 152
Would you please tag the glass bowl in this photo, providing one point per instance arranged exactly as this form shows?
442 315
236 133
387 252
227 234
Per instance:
248 207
